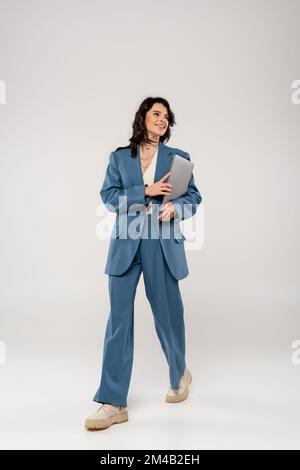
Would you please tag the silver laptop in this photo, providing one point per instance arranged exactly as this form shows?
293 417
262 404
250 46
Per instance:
182 170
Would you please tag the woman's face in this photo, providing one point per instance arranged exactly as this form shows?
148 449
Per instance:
157 120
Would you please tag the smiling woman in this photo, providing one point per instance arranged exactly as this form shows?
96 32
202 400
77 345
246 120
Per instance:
152 123
137 174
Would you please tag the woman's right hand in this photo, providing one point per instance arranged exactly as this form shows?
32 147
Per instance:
160 187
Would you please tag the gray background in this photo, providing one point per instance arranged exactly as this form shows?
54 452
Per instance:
75 73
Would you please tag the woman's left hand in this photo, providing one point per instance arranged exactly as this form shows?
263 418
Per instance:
168 211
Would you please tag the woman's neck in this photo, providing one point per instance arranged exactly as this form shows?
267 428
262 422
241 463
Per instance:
150 146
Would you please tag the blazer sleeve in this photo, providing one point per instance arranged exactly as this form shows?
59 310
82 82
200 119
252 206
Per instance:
115 197
187 205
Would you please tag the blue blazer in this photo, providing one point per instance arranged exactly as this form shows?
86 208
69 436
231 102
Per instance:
123 192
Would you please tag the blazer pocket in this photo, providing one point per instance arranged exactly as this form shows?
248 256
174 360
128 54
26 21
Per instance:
116 231
180 240
113 237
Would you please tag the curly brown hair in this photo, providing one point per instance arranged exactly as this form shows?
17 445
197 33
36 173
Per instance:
139 134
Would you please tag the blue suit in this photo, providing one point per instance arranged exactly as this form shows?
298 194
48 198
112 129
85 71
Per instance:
161 257
124 179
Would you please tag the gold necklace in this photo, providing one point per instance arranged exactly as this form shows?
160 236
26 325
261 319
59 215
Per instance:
144 162
148 158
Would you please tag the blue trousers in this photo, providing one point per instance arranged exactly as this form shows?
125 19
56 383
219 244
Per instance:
163 294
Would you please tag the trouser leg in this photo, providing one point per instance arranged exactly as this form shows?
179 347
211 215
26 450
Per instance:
163 293
119 337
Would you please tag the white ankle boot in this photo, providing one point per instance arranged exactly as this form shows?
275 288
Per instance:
180 394
106 415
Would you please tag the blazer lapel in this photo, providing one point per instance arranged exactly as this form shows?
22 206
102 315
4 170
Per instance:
163 164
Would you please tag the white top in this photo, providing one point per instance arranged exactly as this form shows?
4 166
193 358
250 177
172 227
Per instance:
148 177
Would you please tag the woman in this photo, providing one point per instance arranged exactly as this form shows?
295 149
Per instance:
134 186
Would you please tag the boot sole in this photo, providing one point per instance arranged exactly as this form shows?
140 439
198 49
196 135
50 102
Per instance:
117 419
182 396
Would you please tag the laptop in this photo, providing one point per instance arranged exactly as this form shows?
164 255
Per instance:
182 170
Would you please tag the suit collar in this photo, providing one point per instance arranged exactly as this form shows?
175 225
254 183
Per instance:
163 164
